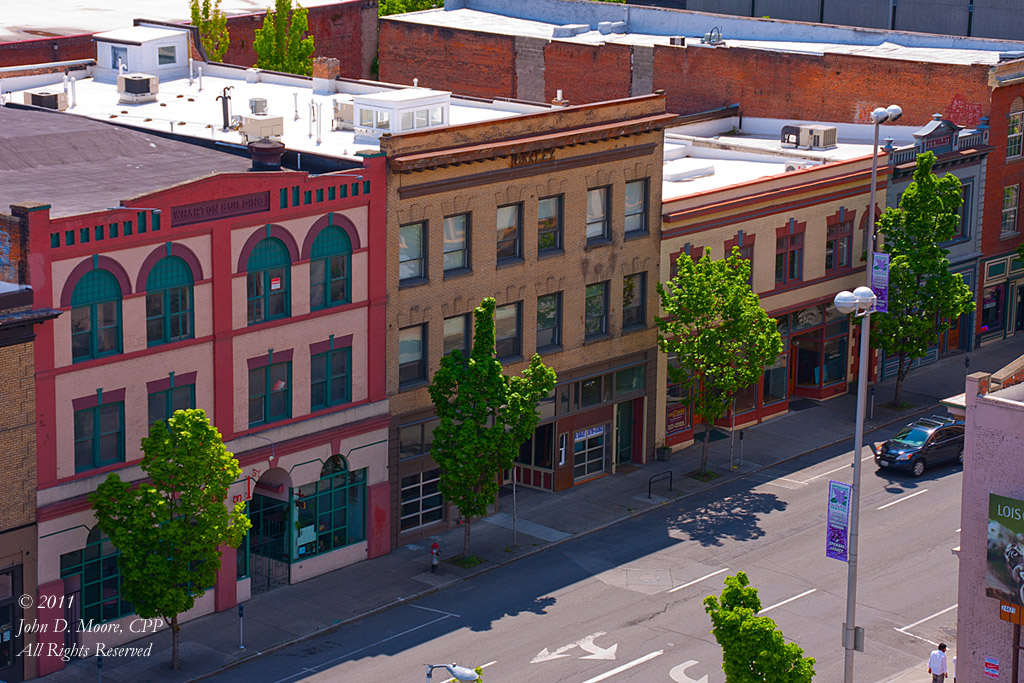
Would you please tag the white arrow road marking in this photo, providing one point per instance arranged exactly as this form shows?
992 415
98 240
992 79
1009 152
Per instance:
545 655
595 651
678 674
624 667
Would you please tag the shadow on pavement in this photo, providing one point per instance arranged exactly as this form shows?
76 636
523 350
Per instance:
736 517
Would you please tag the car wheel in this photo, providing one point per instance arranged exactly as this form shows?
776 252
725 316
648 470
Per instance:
917 467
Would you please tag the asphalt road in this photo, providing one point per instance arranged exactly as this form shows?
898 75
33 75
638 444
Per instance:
625 604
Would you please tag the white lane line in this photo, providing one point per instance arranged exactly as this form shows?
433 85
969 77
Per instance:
331 662
706 576
844 467
784 602
931 642
624 667
921 621
435 611
900 500
482 666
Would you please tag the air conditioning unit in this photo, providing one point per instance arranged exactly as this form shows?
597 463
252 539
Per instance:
798 165
258 105
137 88
816 136
50 99
257 127
679 41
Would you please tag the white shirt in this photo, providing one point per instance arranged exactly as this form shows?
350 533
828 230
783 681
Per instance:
937 662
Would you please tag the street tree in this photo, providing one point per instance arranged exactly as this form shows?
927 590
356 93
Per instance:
753 648
169 529
386 7
282 43
924 297
721 337
212 23
485 416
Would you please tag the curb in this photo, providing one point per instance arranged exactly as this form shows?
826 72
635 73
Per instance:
529 553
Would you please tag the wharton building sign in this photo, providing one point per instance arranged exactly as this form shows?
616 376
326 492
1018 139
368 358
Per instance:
187 214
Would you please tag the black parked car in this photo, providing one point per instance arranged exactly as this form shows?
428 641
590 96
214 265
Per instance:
924 443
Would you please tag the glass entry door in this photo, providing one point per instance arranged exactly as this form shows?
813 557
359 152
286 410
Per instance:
624 432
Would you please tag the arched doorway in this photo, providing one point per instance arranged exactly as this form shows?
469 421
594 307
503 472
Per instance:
269 550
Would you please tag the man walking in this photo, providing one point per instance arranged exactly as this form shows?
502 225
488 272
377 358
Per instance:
937 664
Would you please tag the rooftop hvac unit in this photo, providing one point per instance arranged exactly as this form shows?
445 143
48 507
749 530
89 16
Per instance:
49 99
258 105
817 137
259 127
137 88
679 41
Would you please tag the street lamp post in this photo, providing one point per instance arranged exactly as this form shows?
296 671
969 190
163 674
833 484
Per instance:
861 300
459 673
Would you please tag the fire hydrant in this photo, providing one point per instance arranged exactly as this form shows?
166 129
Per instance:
435 557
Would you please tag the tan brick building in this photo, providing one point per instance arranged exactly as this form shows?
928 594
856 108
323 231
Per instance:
555 215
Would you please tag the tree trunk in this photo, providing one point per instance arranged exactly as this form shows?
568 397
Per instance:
704 450
901 373
175 663
465 539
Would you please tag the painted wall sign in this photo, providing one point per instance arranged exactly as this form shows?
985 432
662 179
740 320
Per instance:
838 521
937 142
535 157
585 434
240 205
1004 575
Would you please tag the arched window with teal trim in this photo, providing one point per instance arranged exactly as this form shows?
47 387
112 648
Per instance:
95 316
268 282
169 299
330 268
93 577
331 512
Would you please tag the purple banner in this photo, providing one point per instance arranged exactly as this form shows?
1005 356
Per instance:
838 524
880 281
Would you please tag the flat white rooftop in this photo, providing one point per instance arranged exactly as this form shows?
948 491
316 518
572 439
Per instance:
32 20
184 109
777 36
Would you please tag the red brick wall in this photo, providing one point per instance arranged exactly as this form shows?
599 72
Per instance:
42 50
586 73
842 88
465 62
336 31
1000 172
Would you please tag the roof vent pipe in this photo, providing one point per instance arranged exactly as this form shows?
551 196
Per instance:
266 154
415 82
296 95
225 100
190 67
200 69
65 84
74 99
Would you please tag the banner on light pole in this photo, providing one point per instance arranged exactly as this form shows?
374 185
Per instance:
880 280
838 521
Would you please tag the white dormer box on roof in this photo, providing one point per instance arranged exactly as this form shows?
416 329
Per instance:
141 49
399 111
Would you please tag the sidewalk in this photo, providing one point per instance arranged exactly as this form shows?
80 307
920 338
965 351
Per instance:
294 613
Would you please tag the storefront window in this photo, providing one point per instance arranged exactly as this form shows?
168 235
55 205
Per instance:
808 317
808 360
330 512
422 503
775 381
539 449
94 576
992 309
835 360
588 452
746 399
629 380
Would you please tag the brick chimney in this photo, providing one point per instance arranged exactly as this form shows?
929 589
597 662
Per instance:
325 71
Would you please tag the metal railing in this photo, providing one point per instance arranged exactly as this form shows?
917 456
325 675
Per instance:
658 477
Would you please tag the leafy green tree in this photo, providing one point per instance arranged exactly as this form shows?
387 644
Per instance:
280 45
170 529
923 295
485 416
212 23
721 336
386 7
753 648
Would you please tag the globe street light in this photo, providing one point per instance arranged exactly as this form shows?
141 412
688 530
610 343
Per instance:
862 302
459 673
